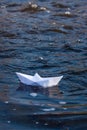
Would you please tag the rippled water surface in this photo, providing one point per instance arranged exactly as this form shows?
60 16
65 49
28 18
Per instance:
48 37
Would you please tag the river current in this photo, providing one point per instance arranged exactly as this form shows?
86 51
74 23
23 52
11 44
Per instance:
50 38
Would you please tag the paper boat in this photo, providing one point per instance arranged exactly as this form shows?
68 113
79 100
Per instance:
37 80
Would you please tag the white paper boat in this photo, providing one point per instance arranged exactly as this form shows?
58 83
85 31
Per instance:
36 80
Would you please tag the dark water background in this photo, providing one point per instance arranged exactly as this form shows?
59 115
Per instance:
50 38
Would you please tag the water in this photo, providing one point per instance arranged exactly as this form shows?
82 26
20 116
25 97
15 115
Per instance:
48 37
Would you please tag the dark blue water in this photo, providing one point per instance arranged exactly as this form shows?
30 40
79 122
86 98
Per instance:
48 37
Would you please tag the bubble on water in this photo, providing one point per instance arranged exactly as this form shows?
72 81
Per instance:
6 102
41 58
69 9
35 113
14 109
33 94
46 124
65 108
62 25
54 23
36 123
51 44
8 122
79 41
67 13
48 109
62 102
34 6
29 3
43 8
48 11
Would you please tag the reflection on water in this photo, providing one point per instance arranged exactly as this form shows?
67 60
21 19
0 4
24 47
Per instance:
48 37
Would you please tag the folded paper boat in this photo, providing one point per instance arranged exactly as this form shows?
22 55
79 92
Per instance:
37 80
